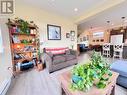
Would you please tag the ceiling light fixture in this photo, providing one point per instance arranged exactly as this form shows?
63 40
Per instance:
112 23
108 26
75 9
108 22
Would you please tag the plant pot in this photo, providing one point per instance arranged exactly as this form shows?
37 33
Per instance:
76 79
105 78
40 67
96 81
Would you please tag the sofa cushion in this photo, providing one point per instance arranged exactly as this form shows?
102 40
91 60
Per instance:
50 54
56 50
58 59
70 57
122 81
120 67
67 52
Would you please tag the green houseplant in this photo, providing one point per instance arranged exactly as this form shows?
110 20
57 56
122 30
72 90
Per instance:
24 26
95 72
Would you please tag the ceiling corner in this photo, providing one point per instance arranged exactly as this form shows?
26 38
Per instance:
103 7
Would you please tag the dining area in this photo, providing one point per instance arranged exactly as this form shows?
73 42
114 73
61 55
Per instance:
116 46
118 52
114 50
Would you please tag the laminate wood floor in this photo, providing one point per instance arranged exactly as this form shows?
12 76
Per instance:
33 82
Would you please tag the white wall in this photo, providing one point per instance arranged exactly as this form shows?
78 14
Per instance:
84 34
41 18
1 42
5 57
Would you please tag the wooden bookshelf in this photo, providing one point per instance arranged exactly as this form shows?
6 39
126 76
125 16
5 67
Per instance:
24 44
24 52
17 24
20 60
23 34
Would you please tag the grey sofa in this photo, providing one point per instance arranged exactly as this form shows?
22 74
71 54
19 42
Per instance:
59 61
120 67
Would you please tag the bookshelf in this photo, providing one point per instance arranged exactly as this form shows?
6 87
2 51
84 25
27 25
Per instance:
24 42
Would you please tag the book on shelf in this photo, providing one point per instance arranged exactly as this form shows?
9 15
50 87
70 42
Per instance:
15 39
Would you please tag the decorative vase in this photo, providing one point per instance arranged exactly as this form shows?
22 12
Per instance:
40 66
76 79
96 81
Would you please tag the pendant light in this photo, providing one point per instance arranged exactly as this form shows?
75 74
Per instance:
122 28
90 32
108 26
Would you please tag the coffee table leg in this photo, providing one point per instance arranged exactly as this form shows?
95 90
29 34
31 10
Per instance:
62 91
113 90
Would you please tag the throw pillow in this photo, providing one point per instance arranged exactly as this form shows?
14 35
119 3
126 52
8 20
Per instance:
67 52
50 54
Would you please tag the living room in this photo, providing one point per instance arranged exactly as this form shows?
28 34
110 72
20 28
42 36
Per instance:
75 24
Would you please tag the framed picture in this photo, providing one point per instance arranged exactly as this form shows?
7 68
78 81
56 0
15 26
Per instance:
53 32
80 39
87 37
101 40
67 35
84 39
72 33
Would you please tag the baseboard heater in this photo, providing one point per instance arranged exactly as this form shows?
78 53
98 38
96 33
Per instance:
4 86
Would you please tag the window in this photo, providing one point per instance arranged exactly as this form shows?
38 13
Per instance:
1 45
98 34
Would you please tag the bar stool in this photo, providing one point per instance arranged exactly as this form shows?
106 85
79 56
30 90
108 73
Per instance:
118 51
106 49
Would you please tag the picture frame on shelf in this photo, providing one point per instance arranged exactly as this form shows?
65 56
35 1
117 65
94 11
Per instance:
16 39
53 32
67 35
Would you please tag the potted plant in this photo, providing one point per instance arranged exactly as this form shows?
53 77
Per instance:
95 72
40 65
24 26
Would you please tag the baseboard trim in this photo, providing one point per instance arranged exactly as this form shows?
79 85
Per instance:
5 86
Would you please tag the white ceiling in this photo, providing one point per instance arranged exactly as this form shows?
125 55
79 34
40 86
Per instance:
66 7
100 20
92 13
